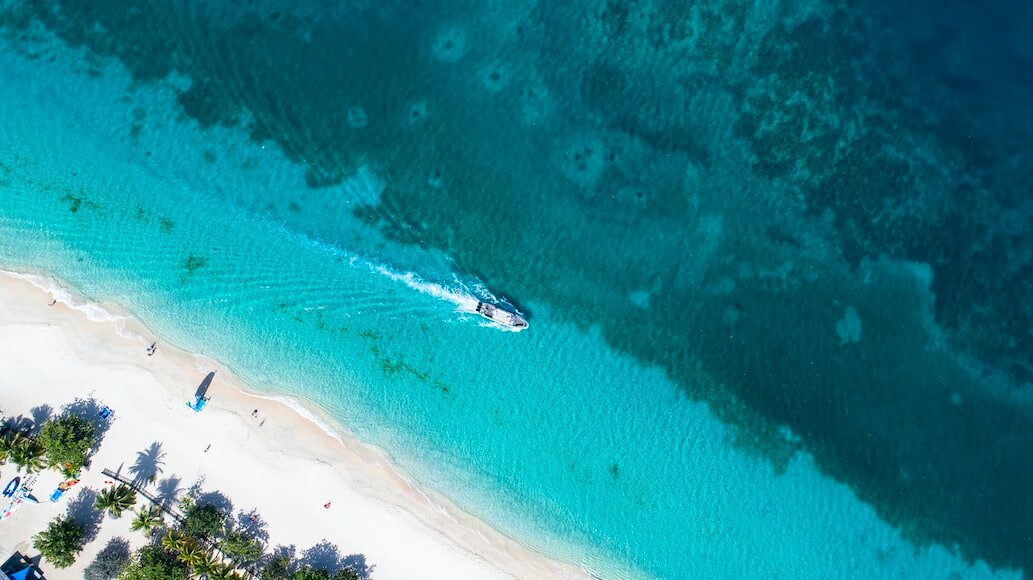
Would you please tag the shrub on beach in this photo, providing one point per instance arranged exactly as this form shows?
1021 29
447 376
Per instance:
152 562
67 440
203 520
312 574
321 574
6 445
60 543
278 568
109 562
240 547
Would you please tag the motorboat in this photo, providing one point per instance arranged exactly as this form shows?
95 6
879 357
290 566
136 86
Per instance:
500 315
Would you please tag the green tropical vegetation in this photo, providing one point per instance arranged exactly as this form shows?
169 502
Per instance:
116 499
147 519
109 562
60 543
225 572
69 471
153 562
203 520
6 444
203 544
191 554
310 573
208 548
205 565
173 541
62 443
67 439
28 455
278 568
241 547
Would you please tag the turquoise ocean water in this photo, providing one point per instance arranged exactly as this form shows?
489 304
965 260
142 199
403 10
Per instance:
770 337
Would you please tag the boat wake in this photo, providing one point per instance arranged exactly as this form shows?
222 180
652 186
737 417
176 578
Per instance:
464 297
464 301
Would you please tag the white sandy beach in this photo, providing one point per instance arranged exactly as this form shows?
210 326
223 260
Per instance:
286 468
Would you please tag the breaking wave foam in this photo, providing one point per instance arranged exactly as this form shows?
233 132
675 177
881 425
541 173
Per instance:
92 310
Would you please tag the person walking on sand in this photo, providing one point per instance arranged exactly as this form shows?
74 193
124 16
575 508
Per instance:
254 414
326 505
152 349
53 303
207 448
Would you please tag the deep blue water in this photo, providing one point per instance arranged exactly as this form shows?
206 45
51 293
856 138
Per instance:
776 259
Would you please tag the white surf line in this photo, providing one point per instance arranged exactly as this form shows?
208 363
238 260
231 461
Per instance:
61 294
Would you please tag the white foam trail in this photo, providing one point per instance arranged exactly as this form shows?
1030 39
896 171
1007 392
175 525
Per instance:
464 301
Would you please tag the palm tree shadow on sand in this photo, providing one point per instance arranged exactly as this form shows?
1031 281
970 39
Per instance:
328 557
168 490
149 464
40 415
322 556
211 497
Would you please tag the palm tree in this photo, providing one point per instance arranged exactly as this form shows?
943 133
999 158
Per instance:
224 572
6 445
191 554
173 541
116 499
147 519
205 565
27 454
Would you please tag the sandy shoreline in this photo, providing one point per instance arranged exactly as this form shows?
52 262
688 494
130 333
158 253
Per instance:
282 464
